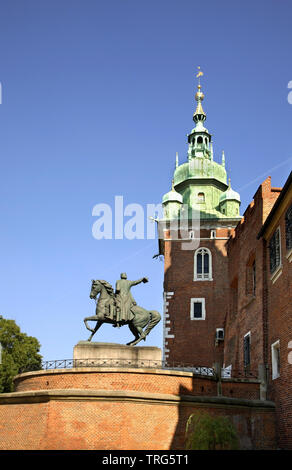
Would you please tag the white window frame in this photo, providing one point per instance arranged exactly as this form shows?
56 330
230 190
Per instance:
213 234
200 300
278 270
217 333
209 276
275 364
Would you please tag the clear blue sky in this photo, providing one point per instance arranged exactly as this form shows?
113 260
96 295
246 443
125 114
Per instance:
97 96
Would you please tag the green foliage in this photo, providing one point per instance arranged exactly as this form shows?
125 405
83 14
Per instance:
19 352
207 432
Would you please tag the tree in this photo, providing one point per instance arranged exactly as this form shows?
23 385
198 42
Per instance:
207 432
19 352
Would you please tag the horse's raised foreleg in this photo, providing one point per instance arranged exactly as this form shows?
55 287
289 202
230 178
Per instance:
93 330
98 324
94 318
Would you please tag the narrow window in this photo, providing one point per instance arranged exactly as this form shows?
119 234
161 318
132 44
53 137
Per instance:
275 251
276 360
250 284
201 197
253 278
203 265
288 227
198 311
246 350
234 298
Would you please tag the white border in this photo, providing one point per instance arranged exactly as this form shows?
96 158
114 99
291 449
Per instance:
198 300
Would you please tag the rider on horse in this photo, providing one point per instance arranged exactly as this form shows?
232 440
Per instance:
124 299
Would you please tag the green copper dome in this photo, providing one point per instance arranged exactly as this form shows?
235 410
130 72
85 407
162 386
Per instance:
201 183
172 196
198 168
229 195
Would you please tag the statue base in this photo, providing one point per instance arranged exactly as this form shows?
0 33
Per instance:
113 354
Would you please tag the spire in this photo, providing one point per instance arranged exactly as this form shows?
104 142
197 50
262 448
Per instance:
176 160
199 114
223 158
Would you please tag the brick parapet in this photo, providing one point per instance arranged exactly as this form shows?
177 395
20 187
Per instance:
87 419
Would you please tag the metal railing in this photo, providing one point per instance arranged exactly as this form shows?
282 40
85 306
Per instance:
202 371
114 362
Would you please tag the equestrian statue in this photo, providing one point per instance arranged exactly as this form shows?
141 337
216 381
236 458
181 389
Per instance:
119 308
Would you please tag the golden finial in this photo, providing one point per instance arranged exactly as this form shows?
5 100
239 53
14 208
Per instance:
200 73
199 114
199 94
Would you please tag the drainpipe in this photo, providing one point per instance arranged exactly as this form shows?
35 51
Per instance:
217 369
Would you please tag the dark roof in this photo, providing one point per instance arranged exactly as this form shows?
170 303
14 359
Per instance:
275 206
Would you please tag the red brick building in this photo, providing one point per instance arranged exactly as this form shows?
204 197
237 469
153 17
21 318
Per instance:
276 237
227 280
258 329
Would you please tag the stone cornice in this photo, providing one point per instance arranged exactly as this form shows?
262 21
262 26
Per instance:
43 396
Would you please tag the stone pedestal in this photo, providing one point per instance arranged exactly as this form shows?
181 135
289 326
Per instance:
113 354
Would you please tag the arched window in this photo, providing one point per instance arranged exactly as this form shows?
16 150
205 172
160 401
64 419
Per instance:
201 197
203 265
200 140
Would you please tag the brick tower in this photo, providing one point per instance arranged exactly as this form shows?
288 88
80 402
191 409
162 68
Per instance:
196 268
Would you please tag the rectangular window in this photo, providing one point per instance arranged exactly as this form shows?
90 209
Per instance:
275 251
276 360
246 350
198 311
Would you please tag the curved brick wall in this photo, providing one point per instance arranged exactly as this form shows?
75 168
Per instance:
121 409
145 380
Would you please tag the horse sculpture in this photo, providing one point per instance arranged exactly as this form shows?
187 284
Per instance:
106 308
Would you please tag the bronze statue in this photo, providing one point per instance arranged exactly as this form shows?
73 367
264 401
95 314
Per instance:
124 298
119 308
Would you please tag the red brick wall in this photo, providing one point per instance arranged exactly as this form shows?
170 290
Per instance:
119 425
194 340
121 415
117 379
249 315
280 328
